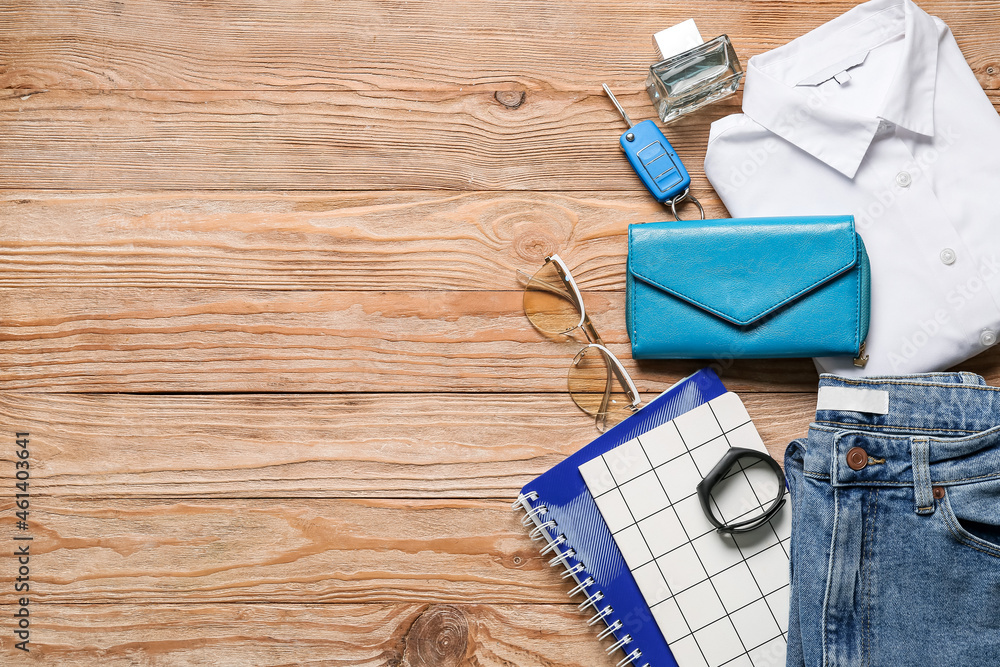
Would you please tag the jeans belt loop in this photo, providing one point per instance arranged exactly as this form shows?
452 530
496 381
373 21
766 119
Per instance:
920 450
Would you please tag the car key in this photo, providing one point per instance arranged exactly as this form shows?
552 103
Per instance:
655 162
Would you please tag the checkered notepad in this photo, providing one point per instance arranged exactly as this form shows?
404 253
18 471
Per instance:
718 599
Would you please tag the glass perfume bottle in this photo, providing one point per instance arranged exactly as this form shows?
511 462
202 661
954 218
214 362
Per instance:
692 73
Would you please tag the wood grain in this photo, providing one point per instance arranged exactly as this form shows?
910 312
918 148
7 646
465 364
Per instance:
363 45
286 550
329 446
338 140
317 240
360 635
143 340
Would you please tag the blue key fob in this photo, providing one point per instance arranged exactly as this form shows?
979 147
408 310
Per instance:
655 161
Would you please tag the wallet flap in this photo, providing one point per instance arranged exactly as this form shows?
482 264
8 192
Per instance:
742 269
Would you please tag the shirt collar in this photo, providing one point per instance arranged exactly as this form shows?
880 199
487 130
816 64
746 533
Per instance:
801 115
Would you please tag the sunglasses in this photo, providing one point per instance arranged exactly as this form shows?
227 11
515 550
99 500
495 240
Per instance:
598 383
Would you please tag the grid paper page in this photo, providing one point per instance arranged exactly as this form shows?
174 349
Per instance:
718 599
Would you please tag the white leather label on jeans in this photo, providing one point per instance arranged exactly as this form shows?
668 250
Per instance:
851 399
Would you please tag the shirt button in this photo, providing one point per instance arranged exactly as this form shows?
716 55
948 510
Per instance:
903 179
987 338
857 458
948 256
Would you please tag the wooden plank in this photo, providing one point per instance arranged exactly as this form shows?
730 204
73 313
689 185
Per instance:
325 240
360 635
172 340
365 44
283 551
283 446
303 140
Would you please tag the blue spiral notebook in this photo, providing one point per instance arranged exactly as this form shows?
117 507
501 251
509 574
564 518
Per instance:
564 516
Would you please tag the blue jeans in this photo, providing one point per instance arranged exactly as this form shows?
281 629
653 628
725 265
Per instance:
895 550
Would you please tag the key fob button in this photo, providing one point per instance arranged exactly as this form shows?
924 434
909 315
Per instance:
652 152
659 165
668 179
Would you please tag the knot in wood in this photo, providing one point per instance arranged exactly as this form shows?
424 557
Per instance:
511 99
439 637
535 245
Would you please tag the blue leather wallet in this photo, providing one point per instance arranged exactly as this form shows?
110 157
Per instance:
747 288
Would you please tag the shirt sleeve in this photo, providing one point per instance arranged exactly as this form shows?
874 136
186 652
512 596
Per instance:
738 152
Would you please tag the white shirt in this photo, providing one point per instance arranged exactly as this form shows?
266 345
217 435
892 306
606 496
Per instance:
877 114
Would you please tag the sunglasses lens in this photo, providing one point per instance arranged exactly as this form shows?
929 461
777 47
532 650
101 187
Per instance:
549 302
596 390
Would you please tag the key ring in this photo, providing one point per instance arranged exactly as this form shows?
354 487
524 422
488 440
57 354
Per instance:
681 197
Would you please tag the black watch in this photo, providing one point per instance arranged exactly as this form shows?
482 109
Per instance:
720 470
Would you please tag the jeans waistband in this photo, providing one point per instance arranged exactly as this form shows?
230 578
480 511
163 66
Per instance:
938 429
943 404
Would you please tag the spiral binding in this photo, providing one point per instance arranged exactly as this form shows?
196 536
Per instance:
542 530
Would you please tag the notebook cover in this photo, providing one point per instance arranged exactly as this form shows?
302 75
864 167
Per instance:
563 491
718 599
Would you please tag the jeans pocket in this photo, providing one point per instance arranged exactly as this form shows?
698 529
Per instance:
972 514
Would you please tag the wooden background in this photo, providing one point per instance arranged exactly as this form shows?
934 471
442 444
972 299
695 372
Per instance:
258 312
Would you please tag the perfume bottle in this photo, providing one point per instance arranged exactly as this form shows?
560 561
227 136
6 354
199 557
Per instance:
692 72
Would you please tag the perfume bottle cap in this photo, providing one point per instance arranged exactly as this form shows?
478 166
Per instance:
677 39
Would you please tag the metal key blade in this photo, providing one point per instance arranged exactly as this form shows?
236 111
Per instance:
617 106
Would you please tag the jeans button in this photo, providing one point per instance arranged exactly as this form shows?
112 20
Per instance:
857 458
938 492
